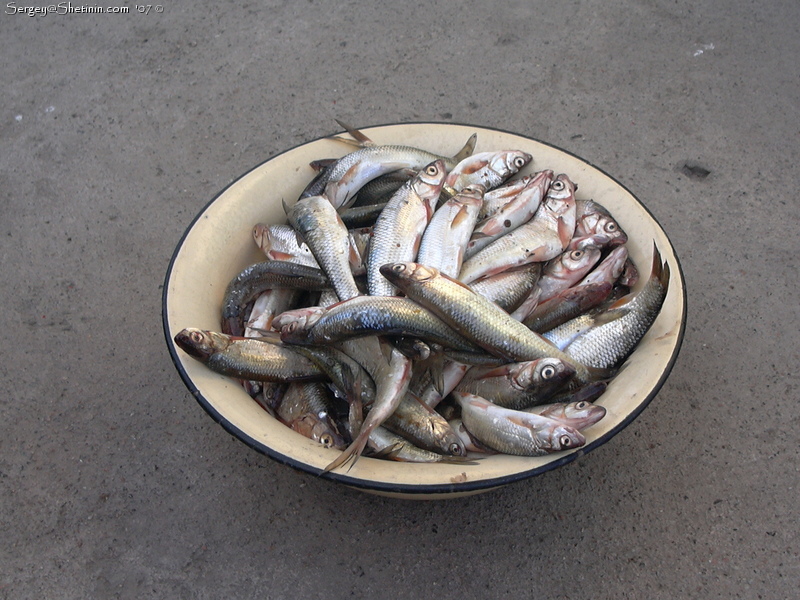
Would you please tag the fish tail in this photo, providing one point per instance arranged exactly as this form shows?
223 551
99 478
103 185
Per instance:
467 149
351 453
359 139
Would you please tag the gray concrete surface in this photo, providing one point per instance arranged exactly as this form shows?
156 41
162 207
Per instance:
116 130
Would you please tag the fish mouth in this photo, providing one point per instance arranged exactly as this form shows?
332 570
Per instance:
188 341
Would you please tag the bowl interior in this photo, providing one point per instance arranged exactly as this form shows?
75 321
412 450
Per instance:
219 244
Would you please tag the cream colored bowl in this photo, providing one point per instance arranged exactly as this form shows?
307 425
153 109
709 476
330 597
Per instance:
218 244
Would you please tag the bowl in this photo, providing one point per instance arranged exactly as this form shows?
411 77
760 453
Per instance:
218 244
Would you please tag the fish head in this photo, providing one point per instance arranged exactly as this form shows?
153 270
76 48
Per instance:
320 428
509 162
580 259
447 440
565 437
586 412
560 194
201 344
601 223
429 180
400 272
551 371
261 237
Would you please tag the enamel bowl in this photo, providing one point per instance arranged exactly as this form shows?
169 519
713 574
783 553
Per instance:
218 245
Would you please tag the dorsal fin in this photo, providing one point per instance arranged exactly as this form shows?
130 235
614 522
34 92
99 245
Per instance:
467 149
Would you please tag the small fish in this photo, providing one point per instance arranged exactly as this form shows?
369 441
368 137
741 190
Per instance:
247 358
399 229
348 175
255 279
540 239
306 408
280 242
579 415
488 169
476 318
391 383
614 333
519 210
322 229
424 427
445 238
509 288
515 432
518 385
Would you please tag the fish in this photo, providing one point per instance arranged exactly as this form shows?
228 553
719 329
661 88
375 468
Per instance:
566 305
306 408
515 432
514 213
446 236
398 231
542 238
509 288
517 385
322 229
614 334
476 318
579 415
391 384
390 446
497 198
246 358
348 175
592 218
280 242
424 427
252 281
368 316
488 169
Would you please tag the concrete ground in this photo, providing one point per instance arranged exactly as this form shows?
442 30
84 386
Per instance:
117 129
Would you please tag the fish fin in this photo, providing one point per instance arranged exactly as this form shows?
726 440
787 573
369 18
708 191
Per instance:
461 216
518 420
564 232
466 150
286 208
360 139
278 255
322 164
351 453
478 235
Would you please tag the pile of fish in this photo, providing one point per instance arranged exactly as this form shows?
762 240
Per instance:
425 308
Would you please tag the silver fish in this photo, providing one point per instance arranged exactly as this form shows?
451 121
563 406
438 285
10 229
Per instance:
322 228
399 229
513 431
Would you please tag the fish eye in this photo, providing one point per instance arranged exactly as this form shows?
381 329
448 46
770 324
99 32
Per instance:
548 372
519 162
292 327
455 449
576 254
398 267
581 405
431 170
611 226
197 337
565 441
558 185
326 439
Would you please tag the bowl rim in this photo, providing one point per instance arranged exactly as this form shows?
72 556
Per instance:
410 489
